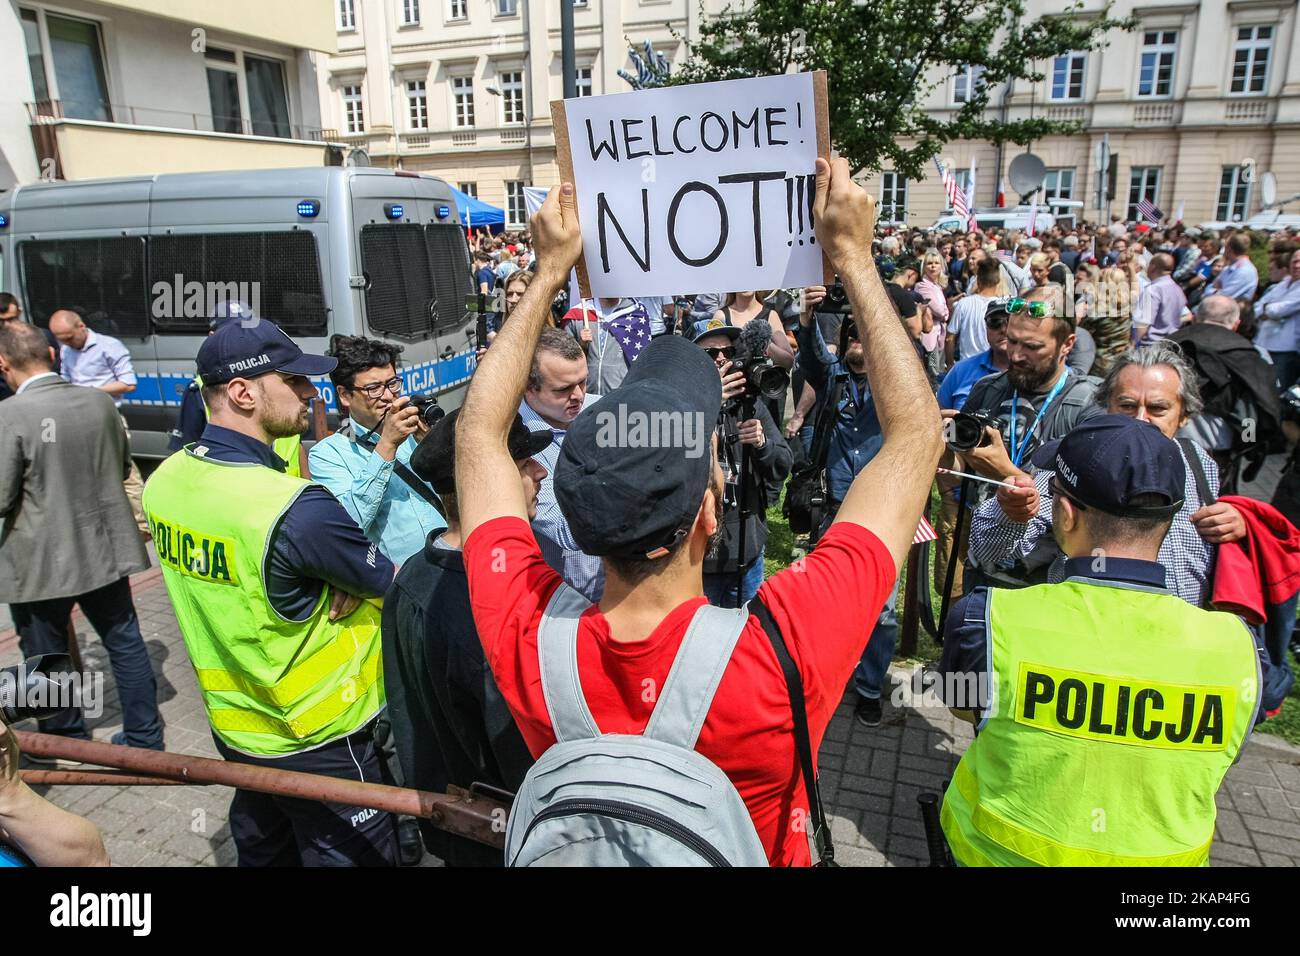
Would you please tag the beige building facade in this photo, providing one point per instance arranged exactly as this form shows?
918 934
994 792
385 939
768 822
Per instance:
97 88
1195 104
461 89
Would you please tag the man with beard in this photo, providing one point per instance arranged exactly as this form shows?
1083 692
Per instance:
276 593
1038 399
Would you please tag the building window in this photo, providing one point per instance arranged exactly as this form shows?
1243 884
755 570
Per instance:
74 73
1250 59
893 197
1234 195
582 79
1143 183
419 105
512 97
268 97
462 91
968 83
507 8
458 10
516 211
469 189
347 12
353 115
1156 65
1059 184
223 90
410 13
1067 76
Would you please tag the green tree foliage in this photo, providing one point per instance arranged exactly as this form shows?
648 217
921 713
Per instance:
883 57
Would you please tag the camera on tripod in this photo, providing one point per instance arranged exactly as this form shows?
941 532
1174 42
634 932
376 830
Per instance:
966 431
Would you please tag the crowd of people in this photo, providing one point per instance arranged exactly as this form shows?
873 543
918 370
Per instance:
520 592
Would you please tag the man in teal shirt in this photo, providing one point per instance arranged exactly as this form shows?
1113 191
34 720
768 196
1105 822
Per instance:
366 464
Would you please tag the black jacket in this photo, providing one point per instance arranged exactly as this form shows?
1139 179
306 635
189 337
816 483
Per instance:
1232 376
767 469
450 722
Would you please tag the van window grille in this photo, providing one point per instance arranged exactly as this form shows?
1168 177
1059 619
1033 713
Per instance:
277 273
101 279
449 259
400 298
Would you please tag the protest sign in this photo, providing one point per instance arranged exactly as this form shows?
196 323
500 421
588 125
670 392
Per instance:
696 188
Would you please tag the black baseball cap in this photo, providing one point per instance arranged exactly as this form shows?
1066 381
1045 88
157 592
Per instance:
1106 462
634 467
904 304
246 350
434 459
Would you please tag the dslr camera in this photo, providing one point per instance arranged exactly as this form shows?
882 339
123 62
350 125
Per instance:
763 378
836 301
430 411
967 431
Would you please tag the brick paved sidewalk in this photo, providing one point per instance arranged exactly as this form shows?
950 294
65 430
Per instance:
870 776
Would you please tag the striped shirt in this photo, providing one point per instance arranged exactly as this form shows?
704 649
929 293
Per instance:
998 543
581 571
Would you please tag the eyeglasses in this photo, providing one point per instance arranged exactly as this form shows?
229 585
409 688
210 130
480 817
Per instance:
1035 310
727 352
376 389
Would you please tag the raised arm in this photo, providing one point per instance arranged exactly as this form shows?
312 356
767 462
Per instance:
487 481
888 495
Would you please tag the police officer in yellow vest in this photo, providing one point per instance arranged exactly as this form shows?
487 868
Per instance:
276 592
192 417
1109 709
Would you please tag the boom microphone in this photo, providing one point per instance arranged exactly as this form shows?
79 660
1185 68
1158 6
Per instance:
755 337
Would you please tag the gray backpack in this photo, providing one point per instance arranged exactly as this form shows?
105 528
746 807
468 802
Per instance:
598 799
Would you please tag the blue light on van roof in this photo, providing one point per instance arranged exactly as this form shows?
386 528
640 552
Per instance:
444 212
394 210
4 220
309 208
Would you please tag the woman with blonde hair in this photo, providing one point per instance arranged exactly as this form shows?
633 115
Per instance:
934 279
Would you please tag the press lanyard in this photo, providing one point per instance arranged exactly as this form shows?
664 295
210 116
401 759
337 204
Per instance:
1018 452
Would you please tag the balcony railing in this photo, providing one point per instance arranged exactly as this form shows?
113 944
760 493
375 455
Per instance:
45 112
1153 114
1246 111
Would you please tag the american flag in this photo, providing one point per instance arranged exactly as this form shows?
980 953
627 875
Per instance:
924 532
956 198
632 332
1148 210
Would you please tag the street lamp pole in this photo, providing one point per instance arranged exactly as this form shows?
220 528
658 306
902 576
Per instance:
568 60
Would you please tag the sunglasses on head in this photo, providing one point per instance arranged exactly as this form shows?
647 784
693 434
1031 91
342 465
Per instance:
726 351
1036 310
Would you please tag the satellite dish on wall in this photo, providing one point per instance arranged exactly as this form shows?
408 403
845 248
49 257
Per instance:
1268 188
1027 174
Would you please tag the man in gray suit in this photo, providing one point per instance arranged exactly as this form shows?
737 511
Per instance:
67 535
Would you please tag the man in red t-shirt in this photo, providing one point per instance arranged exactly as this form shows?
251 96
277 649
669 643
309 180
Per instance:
651 512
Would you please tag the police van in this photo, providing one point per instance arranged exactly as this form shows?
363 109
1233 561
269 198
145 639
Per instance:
318 251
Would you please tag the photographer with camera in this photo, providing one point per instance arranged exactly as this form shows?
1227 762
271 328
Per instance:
366 463
1036 400
847 436
752 453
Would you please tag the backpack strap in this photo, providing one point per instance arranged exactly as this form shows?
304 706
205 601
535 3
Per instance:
1208 497
688 691
557 653
802 742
